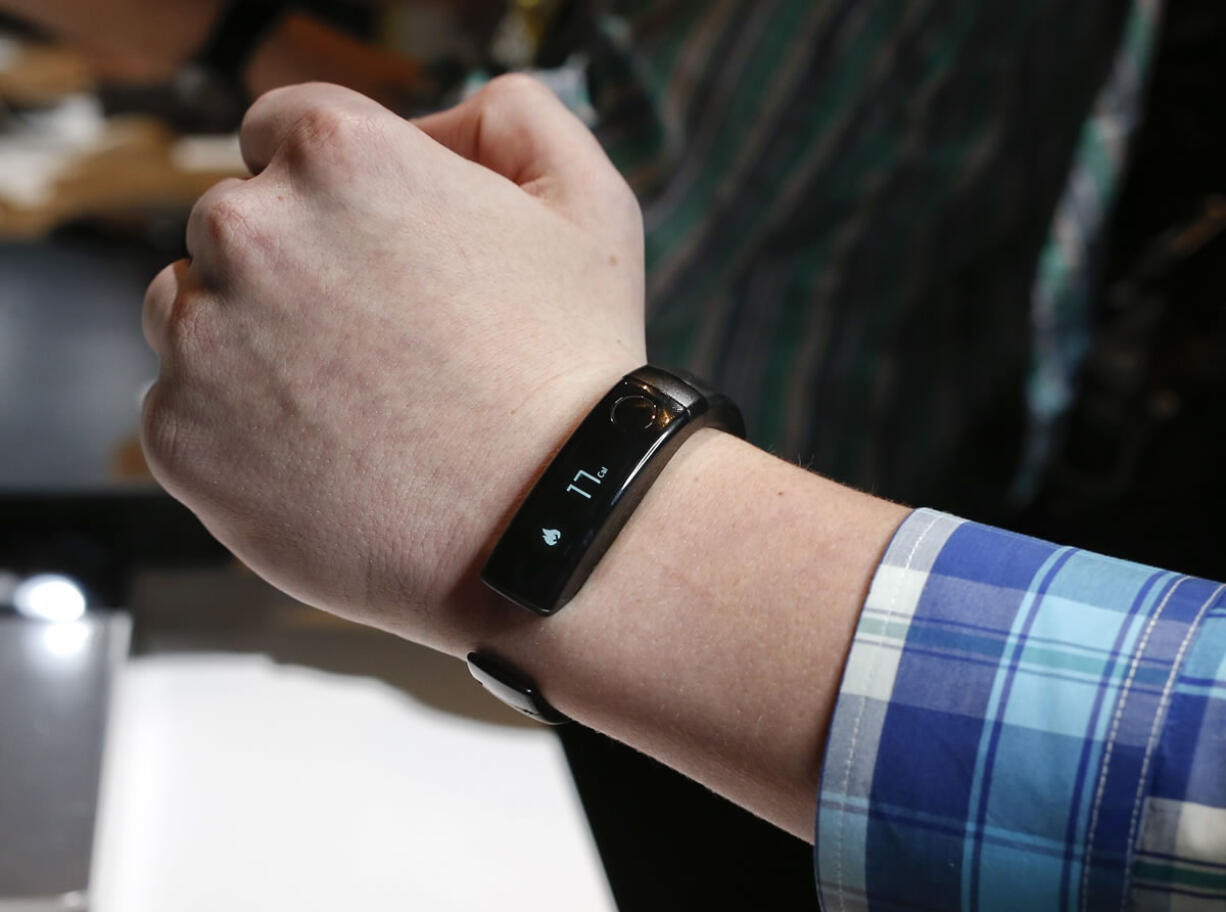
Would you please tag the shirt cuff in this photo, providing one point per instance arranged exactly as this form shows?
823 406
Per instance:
1024 726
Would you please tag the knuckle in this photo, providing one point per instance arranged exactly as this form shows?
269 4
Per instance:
278 95
318 124
624 204
511 89
514 84
160 432
182 326
327 137
155 312
181 323
160 292
228 221
626 201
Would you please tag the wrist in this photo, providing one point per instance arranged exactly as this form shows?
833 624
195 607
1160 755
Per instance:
626 601
593 484
731 595
616 609
517 439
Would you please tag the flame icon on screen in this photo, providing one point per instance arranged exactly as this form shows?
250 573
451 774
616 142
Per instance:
551 536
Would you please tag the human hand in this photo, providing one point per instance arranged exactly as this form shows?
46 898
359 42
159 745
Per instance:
381 337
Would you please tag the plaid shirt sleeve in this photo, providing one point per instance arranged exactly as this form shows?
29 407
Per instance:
1024 726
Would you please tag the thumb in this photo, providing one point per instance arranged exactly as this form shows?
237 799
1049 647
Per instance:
518 128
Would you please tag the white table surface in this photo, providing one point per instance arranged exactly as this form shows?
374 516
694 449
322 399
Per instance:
234 783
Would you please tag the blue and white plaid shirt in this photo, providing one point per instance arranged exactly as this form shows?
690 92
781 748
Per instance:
1025 726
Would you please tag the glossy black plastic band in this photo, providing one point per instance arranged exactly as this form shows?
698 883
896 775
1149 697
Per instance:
599 476
513 687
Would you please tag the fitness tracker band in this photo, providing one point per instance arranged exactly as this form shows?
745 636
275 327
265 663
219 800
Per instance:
600 475
584 498
513 687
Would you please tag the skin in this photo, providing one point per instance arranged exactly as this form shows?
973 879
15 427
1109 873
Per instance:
376 346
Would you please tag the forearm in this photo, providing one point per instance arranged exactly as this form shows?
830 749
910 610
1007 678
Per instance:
377 342
713 633
399 424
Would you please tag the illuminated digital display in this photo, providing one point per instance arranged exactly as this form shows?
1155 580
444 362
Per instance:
584 497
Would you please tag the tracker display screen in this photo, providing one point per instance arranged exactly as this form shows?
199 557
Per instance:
584 497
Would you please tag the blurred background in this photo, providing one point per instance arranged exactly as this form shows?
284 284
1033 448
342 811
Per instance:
965 257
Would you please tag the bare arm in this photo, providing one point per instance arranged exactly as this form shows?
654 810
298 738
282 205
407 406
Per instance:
713 634
381 339
377 345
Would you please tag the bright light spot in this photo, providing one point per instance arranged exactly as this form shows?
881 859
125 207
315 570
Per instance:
49 597
66 639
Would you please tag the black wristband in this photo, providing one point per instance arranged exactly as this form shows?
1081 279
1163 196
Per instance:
591 487
583 499
513 687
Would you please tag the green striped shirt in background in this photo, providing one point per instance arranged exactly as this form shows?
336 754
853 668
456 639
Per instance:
845 206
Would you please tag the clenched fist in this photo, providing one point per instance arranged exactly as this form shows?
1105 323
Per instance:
381 337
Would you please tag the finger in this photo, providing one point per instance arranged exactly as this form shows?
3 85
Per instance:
517 127
158 309
311 108
204 222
